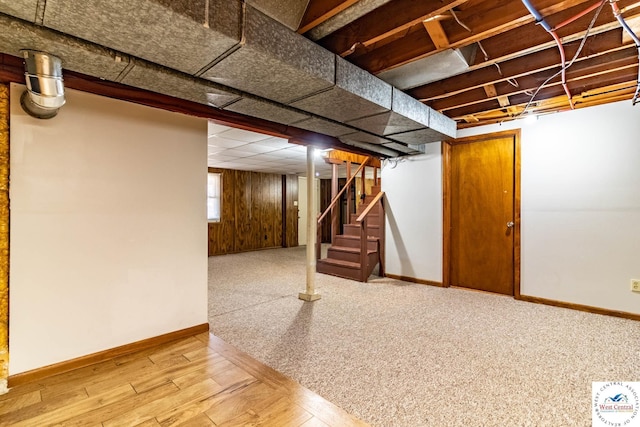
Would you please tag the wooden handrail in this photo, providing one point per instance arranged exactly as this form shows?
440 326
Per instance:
370 206
335 199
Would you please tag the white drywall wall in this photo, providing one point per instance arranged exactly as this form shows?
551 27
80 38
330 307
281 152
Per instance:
580 207
108 227
413 207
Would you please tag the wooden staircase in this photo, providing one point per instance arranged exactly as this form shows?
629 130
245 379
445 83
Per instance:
344 257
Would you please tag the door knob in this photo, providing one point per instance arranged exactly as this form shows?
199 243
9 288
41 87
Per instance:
510 224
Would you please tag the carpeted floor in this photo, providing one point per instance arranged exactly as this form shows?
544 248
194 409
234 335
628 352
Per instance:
401 354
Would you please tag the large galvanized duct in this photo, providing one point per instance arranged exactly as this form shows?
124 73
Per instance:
45 88
230 55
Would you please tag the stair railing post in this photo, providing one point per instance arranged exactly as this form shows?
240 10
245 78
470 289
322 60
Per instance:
348 219
363 250
319 240
363 191
334 210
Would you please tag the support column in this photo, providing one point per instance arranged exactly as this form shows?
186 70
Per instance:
312 227
4 237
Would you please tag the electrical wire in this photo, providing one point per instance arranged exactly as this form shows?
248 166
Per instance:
552 31
458 21
636 40
565 67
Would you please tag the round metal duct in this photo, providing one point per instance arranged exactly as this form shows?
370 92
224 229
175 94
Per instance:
45 88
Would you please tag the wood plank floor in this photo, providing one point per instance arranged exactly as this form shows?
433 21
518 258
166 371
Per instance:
198 381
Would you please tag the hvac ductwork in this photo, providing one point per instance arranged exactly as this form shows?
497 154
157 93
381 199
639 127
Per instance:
230 55
45 88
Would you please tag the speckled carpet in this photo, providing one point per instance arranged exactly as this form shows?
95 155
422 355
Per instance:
399 354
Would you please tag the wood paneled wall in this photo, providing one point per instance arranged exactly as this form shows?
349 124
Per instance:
256 211
290 189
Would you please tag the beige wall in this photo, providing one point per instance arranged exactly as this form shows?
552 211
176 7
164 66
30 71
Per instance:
108 227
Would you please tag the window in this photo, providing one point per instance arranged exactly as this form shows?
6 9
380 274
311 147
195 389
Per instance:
214 193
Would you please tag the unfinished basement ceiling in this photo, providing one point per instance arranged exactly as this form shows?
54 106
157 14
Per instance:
242 56
321 65
514 55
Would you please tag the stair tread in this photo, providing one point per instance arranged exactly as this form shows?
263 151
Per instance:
340 262
347 236
348 249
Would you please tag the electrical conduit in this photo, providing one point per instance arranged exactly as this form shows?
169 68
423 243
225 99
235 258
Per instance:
540 20
636 40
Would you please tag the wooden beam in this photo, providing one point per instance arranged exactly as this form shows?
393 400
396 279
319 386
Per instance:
392 18
634 24
490 90
318 11
437 34
503 101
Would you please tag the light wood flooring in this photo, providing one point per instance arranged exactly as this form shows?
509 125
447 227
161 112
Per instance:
198 381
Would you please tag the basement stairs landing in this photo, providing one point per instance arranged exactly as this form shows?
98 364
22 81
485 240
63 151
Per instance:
355 253
344 255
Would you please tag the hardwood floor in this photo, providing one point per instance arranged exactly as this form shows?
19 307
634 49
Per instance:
198 381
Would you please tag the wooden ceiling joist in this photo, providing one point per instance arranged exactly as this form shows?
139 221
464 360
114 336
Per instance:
508 43
517 55
389 19
615 61
320 11
437 34
580 86
512 69
503 101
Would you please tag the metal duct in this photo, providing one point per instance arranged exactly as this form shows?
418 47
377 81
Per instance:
441 65
45 89
209 51
274 62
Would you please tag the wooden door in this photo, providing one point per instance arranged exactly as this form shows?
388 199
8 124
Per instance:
484 213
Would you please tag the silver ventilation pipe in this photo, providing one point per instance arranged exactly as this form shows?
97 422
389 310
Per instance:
45 88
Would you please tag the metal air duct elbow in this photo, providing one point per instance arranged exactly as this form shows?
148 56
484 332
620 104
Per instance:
45 88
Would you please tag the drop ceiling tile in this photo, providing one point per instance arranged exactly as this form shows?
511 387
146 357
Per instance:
239 153
257 148
275 142
215 128
220 141
273 155
244 135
